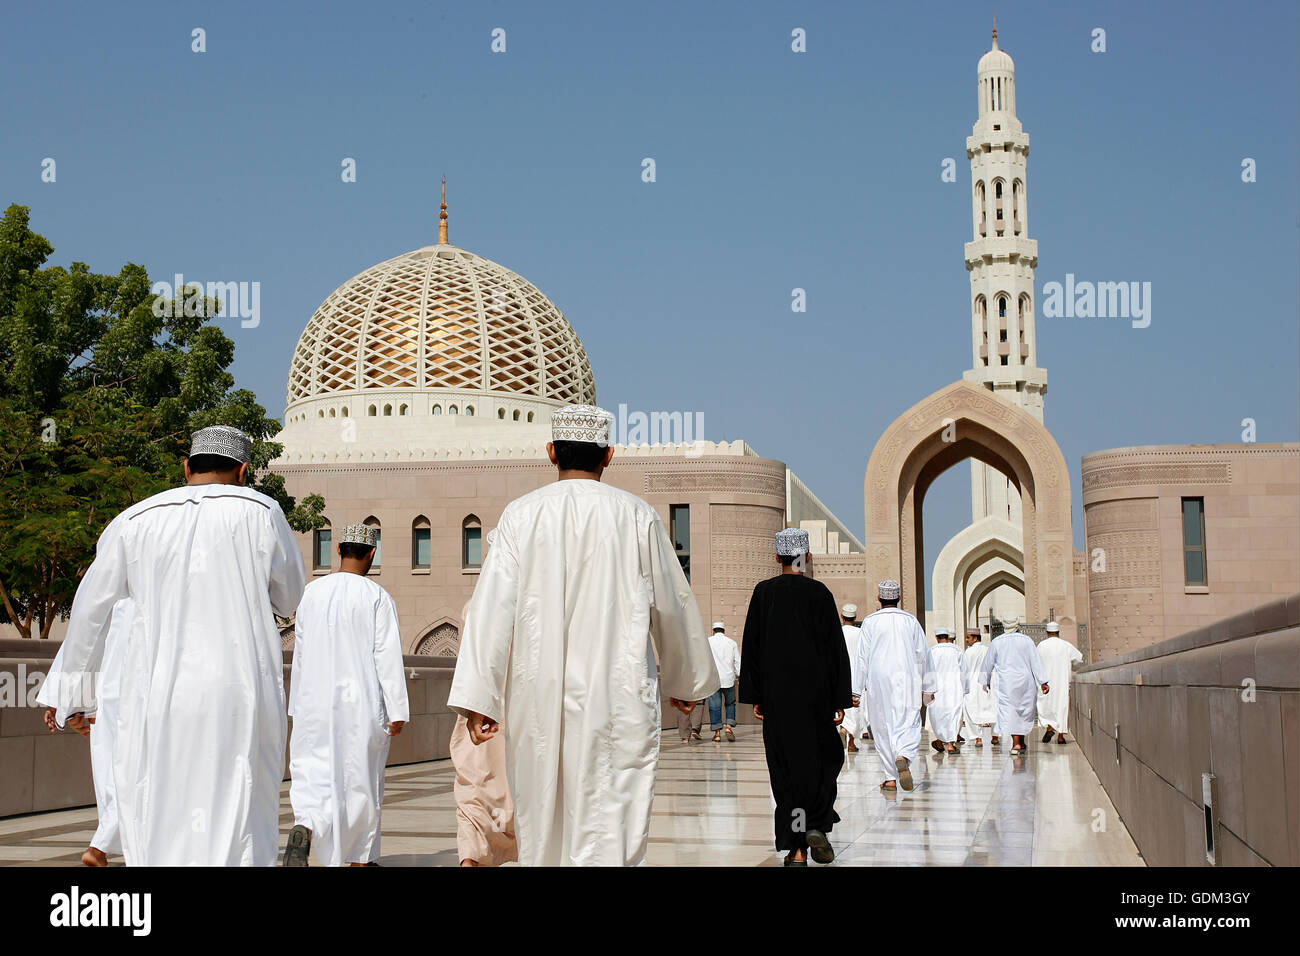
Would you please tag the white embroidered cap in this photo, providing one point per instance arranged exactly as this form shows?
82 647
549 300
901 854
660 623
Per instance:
222 440
792 542
889 590
582 423
360 534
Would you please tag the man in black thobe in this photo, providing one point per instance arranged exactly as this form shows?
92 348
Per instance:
795 671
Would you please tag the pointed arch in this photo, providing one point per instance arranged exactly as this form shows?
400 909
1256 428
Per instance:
913 452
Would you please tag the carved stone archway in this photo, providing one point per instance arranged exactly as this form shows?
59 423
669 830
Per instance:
962 556
959 422
991 584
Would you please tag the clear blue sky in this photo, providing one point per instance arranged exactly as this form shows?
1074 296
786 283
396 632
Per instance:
776 170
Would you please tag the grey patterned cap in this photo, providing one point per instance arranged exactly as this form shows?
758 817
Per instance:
360 534
582 423
792 542
889 590
222 440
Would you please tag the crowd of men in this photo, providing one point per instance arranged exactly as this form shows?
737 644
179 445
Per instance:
581 621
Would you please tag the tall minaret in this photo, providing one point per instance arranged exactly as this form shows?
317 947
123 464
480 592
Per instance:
1001 260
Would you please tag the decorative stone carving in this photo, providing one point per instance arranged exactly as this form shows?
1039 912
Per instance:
442 641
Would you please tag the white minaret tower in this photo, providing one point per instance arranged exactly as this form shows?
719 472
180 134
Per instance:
1001 260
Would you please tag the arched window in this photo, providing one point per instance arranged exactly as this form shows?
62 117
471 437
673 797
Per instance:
530 416
981 212
1002 306
321 413
998 189
388 409
501 413
452 410
1017 193
373 522
515 415
345 411
437 409
421 544
469 410
471 542
403 410
373 411
322 547
998 222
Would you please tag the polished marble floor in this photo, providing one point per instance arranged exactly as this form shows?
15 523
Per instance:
713 808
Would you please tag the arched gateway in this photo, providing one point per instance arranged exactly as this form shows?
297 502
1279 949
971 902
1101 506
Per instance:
954 424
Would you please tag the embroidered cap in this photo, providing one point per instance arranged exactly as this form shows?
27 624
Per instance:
360 534
582 423
222 440
792 542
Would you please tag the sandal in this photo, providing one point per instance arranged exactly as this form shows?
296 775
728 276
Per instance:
904 773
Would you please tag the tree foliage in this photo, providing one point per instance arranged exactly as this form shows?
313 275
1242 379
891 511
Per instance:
98 397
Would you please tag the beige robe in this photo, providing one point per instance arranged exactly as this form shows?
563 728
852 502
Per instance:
485 817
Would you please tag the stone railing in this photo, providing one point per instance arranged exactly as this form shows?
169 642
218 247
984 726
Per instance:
43 771
1197 740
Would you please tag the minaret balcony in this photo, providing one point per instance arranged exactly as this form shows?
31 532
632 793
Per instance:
1002 248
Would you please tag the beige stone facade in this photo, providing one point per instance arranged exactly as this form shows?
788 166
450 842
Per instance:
736 504
1139 590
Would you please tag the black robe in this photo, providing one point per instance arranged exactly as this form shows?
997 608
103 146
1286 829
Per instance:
794 664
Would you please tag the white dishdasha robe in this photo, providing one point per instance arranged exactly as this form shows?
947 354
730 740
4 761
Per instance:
347 685
199 753
578 596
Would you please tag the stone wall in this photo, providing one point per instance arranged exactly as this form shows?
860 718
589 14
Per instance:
1222 699
1138 593
42 771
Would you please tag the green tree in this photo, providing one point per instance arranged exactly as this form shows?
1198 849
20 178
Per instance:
98 397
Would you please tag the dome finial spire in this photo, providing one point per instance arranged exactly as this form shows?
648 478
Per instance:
442 215
995 28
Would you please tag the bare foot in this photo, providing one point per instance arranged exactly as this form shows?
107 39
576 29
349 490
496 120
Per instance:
470 863
94 857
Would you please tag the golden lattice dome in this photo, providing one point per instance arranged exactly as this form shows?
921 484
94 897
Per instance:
440 318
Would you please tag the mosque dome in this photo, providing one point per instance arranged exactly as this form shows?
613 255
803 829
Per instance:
440 320
435 353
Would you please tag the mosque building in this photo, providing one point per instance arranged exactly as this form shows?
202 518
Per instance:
419 401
